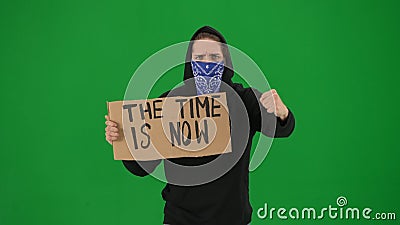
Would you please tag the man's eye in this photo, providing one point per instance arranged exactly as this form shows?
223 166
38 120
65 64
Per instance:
215 57
199 57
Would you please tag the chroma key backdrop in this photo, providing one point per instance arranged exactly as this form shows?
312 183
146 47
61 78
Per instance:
334 63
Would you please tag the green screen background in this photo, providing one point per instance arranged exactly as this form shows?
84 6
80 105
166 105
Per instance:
334 63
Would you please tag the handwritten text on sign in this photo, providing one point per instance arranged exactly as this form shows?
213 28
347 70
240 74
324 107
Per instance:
171 127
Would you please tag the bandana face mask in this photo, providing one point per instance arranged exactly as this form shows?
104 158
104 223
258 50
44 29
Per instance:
207 76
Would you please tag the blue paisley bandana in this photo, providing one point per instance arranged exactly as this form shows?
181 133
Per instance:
207 76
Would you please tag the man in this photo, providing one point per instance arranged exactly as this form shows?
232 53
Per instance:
224 200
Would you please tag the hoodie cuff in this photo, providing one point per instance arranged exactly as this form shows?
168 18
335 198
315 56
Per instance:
283 123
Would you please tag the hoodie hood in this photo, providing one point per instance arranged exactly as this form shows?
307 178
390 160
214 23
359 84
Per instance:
228 67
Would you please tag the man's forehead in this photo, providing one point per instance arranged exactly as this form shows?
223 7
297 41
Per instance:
206 45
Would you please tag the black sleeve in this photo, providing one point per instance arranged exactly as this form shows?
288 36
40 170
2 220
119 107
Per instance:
142 168
264 122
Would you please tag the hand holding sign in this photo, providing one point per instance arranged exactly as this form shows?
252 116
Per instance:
273 104
112 131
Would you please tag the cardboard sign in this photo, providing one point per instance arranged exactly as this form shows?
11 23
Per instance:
171 127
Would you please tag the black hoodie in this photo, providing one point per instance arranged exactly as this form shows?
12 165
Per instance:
226 199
